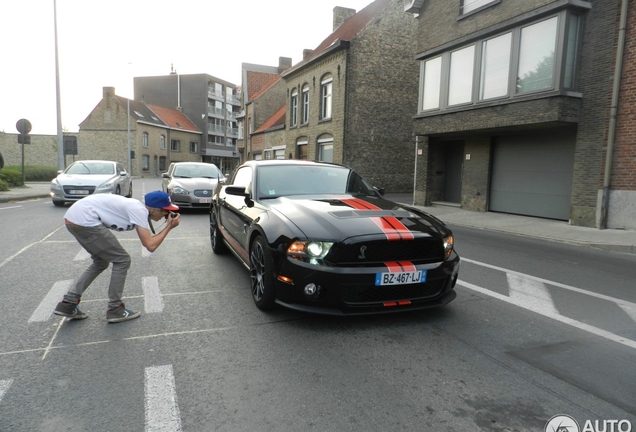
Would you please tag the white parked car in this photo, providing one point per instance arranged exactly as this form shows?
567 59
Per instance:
191 184
83 178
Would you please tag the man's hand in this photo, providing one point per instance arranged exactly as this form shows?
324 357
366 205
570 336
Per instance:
173 222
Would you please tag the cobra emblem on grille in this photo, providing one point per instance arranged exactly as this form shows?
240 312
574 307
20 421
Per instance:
362 251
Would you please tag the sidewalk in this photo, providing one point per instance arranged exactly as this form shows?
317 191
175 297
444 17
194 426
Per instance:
610 239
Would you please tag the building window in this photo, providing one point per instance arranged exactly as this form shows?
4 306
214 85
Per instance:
538 57
194 147
145 162
305 107
162 142
302 148
325 100
294 108
471 5
325 149
145 139
175 145
162 163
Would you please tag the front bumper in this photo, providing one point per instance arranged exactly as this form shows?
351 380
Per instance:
190 201
352 291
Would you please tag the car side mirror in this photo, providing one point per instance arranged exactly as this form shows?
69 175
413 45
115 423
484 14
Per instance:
379 190
240 191
122 173
165 175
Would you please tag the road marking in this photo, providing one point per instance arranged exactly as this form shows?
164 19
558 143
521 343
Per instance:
45 308
531 293
152 295
162 410
5 208
27 247
619 302
550 314
82 255
4 387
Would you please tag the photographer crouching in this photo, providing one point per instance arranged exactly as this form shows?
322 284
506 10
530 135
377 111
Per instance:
90 220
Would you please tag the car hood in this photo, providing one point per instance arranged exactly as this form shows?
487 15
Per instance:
83 180
346 216
194 183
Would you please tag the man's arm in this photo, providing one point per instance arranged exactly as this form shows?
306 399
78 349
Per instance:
152 242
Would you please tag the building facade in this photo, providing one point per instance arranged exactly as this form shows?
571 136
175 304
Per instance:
514 107
210 103
158 136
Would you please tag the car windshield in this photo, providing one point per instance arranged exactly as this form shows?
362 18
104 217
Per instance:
284 180
96 168
197 171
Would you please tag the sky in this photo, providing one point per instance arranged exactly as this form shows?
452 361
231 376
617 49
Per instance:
107 43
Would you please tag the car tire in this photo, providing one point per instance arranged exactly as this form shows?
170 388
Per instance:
118 190
130 191
261 275
58 203
216 238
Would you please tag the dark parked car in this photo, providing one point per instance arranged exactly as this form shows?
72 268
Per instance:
317 237
191 184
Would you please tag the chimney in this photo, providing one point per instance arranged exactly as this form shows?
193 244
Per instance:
307 53
284 63
340 15
108 92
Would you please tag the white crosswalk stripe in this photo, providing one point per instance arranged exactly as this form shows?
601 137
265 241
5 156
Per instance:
531 293
45 308
82 255
152 295
162 410
4 387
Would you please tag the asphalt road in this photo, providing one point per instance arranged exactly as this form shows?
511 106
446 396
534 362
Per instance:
537 330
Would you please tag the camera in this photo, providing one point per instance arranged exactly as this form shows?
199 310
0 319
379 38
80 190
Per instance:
171 214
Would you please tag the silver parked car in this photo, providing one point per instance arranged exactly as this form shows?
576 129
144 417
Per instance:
191 184
83 178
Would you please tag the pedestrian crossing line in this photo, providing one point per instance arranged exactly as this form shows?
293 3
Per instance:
548 312
153 300
45 308
82 255
4 387
622 303
531 293
161 407
27 247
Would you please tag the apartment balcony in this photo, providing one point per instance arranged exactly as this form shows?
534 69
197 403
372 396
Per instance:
216 130
232 132
234 99
217 95
216 112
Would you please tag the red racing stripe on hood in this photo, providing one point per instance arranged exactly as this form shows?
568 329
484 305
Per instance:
390 225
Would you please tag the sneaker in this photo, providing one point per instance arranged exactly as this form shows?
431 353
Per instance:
122 313
69 310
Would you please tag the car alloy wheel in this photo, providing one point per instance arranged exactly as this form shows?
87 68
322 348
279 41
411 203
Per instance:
216 238
261 278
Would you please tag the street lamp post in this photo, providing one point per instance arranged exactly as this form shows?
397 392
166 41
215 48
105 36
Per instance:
60 138
128 136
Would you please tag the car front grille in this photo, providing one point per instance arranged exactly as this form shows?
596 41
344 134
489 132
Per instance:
362 294
203 193
417 251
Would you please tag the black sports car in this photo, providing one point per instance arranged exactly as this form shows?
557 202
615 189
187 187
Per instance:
317 237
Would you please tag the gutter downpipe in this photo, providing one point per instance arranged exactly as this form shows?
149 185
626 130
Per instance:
609 156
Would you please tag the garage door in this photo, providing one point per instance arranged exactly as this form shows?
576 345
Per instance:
532 175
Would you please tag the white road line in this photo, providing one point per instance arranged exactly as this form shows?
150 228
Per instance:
5 208
530 293
574 323
27 247
4 387
152 295
45 309
162 410
82 255
619 302
629 310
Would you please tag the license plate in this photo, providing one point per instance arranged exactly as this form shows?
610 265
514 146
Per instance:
400 278
79 192
205 200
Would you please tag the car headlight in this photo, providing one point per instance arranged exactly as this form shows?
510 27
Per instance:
180 191
449 242
55 185
309 251
107 185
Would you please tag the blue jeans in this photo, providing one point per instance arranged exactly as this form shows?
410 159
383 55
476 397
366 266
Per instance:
104 248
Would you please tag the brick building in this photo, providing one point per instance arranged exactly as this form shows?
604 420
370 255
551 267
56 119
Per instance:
158 135
514 108
350 100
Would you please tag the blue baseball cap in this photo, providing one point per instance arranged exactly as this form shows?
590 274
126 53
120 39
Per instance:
159 199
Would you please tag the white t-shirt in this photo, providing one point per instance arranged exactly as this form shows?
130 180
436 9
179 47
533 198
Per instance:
113 211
